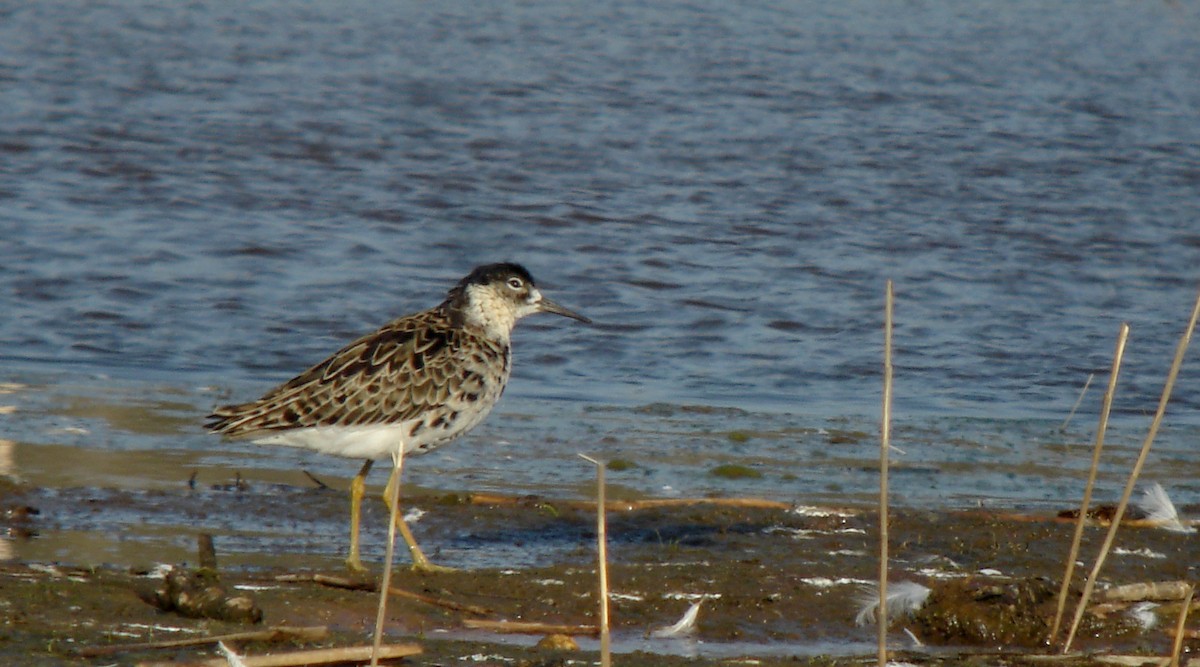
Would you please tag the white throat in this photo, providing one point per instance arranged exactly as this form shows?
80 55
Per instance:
495 314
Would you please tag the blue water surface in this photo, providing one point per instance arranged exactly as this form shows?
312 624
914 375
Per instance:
199 200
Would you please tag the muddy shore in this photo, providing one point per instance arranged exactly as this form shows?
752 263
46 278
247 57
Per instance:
781 585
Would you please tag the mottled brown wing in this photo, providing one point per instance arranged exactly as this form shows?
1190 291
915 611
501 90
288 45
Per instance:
392 375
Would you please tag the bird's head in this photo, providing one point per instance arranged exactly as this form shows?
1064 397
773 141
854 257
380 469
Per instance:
493 297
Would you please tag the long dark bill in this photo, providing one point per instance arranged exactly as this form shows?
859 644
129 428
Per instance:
548 306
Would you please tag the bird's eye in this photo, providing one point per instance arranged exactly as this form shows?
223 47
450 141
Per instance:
515 283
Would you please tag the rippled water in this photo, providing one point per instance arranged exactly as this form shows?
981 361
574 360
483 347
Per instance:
199 200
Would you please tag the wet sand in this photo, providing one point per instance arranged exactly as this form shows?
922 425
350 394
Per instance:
781 585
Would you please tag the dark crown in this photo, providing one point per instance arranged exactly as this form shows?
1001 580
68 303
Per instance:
494 273
483 275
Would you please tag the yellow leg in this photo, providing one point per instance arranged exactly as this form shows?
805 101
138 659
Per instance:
420 562
358 486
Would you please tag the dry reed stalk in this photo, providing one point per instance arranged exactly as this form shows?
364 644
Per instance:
309 634
528 628
602 567
1101 429
1183 614
885 443
324 656
1180 351
393 491
1082 392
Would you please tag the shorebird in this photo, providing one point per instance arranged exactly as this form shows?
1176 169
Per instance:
414 384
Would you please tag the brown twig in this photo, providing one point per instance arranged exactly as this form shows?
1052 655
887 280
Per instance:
1180 351
313 478
309 634
324 656
1077 538
361 585
526 628
438 602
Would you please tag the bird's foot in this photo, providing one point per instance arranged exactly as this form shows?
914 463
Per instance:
430 568
422 565
355 565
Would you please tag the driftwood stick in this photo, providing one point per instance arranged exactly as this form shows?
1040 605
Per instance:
324 656
278 634
526 628
1153 590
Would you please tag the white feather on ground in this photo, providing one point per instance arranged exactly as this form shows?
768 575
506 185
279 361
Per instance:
1158 508
904 597
1143 613
686 625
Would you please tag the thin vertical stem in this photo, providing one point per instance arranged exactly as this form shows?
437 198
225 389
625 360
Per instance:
1180 351
1101 429
602 566
1082 393
885 443
393 491
1183 614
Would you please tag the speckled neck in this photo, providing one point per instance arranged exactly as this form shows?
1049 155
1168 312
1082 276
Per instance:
480 308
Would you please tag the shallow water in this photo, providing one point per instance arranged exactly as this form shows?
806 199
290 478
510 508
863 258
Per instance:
201 200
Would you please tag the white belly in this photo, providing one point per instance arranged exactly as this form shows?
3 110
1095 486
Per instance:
375 441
